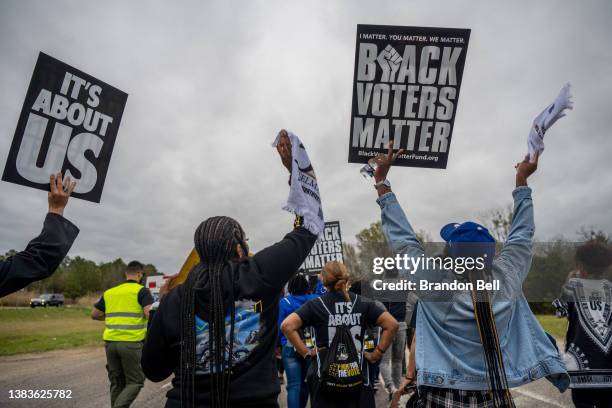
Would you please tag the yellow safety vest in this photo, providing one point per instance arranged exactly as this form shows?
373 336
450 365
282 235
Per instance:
124 317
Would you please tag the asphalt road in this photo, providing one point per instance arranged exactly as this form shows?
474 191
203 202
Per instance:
83 372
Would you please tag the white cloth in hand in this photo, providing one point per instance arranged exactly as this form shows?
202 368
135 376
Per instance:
543 122
304 197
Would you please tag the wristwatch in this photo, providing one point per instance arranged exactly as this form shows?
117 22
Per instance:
385 183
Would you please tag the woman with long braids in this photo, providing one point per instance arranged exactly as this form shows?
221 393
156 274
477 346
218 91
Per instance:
339 307
217 331
473 345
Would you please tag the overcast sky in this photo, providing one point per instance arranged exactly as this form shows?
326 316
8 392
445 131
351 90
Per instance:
211 83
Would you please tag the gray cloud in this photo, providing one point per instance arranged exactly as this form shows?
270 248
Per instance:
210 84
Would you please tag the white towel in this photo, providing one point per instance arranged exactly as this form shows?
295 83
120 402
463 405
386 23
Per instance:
543 122
304 197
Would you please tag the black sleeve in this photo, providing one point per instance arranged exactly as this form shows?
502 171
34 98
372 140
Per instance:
100 304
145 298
41 257
373 310
307 312
265 274
161 351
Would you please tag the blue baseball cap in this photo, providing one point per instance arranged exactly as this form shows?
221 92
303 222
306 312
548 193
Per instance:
469 231
469 239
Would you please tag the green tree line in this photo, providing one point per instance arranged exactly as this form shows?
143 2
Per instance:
77 276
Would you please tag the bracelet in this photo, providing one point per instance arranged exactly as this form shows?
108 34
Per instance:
379 350
298 222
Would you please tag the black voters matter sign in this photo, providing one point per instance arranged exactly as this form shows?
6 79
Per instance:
69 122
327 248
406 87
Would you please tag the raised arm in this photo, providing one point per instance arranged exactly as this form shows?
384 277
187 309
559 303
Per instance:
269 269
44 253
515 256
397 229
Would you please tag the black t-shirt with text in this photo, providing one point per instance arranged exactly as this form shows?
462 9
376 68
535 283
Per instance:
332 309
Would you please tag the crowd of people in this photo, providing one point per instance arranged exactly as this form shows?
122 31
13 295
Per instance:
217 333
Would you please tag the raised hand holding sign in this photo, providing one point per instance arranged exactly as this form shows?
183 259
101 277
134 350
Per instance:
59 193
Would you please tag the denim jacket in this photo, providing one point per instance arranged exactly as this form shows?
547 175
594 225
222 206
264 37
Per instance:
449 352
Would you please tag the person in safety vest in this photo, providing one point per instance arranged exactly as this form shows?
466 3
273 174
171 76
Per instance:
125 310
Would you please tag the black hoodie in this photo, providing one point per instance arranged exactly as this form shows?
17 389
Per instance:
42 256
257 290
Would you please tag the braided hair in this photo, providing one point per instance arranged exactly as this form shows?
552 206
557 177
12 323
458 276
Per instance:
215 242
487 331
485 319
298 285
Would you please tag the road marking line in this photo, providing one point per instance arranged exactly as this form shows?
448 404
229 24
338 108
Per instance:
538 397
166 385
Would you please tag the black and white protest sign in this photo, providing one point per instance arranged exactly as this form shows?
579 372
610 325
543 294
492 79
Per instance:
406 88
69 122
327 248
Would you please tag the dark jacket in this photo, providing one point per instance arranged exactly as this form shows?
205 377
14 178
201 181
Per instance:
41 257
397 310
257 291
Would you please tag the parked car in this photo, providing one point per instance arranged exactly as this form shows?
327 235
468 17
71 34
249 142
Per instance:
48 299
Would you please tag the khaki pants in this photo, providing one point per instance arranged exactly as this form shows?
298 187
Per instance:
124 372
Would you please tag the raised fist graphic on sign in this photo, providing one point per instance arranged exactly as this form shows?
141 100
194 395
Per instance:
389 60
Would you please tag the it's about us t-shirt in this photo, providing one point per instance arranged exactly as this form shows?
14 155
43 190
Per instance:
332 309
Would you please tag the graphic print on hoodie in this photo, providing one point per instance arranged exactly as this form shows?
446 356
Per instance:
246 335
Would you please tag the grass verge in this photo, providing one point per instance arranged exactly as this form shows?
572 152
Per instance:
553 325
45 329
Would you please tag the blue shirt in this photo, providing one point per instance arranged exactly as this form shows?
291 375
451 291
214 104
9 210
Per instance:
319 288
449 352
288 305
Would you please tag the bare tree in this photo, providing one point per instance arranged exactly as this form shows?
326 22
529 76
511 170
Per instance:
498 221
351 260
591 234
